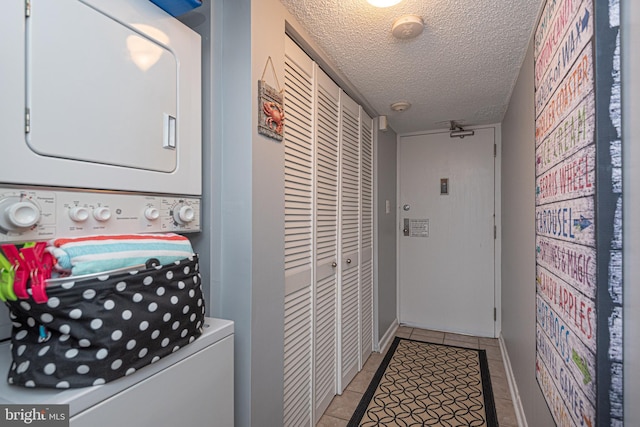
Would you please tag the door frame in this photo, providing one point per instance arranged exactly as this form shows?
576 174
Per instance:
497 188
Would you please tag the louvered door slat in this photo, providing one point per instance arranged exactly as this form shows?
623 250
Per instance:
366 237
349 239
297 363
326 243
298 149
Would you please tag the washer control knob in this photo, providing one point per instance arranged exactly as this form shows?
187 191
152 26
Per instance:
102 214
21 215
184 214
151 213
79 214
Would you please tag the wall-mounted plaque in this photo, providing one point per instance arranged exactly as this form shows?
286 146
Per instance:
579 212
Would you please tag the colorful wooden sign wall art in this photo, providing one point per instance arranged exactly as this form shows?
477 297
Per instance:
579 211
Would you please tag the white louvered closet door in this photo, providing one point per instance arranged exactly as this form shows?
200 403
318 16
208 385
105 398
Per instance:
326 229
366 236
298 304
349 237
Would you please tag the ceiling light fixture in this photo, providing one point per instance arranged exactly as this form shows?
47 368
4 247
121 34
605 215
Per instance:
383 3
400 106
458 132
407 27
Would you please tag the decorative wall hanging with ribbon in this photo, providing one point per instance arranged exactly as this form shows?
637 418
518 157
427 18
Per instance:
270 107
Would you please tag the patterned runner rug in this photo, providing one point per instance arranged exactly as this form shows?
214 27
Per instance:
425 384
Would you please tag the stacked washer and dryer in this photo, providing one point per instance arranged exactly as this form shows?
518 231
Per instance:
101 134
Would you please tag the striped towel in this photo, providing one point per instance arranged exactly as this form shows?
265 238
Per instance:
95 254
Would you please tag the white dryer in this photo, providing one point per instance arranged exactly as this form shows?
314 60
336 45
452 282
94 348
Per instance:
100 94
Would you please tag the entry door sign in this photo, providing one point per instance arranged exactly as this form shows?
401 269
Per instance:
579 211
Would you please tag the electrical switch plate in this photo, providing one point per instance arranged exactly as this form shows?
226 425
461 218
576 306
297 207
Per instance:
387 207
444 185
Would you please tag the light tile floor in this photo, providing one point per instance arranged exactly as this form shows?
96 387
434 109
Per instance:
342 407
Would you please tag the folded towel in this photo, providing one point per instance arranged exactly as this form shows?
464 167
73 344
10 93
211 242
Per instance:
95 254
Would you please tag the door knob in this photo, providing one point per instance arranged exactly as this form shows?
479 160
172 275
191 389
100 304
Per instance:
349 261
334 264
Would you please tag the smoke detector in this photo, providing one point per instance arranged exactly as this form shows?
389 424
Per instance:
407 27
400 106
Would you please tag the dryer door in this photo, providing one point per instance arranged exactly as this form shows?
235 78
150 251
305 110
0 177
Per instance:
100 90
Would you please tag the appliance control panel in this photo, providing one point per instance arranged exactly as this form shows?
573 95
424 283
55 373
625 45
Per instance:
31 214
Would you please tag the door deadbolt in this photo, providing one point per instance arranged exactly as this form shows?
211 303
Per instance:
406 207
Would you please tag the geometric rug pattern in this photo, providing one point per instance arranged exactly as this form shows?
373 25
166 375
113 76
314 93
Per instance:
426 384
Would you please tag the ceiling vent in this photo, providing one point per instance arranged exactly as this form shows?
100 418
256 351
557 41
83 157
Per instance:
407 27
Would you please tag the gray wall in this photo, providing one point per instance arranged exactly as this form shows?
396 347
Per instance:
385 179
518 243
518 260
235 147
204 244
242 243
243 215
267 325
631 162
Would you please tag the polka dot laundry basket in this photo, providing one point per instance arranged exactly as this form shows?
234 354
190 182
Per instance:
96 330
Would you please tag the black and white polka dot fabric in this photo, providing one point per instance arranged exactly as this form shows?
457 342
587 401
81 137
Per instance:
94 331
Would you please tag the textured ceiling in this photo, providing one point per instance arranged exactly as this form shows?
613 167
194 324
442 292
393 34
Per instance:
462 67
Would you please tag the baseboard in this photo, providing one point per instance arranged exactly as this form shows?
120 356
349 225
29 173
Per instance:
513 387
385 341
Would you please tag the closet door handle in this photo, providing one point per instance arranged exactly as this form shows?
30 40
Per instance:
349 261
334 264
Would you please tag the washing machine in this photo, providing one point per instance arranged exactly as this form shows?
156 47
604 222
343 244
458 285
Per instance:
191 387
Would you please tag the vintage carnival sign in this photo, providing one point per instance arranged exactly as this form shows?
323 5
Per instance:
578 212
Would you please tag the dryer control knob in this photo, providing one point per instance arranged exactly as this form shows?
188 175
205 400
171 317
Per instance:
21 215
151 214
102 214
79 214
184 214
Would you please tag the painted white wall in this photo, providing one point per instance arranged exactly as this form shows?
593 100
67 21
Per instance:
385 178
518 243
630 24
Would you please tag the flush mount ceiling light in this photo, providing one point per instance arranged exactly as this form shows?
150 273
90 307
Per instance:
383 3
400 106
407 27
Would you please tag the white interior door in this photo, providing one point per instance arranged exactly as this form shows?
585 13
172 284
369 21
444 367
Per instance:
298 218
349 217
326 241
366 236
446 248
